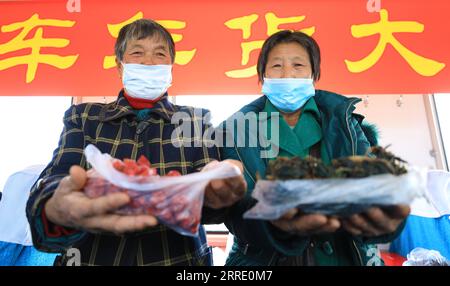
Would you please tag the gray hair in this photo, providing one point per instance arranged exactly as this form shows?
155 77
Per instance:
141 29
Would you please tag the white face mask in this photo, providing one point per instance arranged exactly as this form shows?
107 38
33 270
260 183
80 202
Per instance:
146 81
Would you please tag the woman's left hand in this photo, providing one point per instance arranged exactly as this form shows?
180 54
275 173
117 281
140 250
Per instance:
376 221
222 193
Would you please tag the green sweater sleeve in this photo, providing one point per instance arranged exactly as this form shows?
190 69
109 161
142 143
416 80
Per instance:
258 233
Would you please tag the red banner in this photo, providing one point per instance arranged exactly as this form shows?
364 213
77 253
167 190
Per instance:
67 47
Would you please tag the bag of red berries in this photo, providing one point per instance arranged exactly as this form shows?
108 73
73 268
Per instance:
174 199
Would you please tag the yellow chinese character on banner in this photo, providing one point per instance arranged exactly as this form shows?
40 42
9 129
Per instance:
35 44
245 24
385 28
181 58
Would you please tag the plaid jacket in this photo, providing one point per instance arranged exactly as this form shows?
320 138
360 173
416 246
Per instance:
115 129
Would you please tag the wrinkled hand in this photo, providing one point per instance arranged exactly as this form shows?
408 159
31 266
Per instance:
225 192
302 224
70 207
376 221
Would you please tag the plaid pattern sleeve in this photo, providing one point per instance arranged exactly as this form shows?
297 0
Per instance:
115 129
205 147
47 236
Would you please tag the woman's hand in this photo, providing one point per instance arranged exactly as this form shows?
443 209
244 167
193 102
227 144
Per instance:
376 221
306 224
222 193
70 207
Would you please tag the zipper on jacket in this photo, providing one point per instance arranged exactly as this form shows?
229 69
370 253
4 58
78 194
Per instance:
141 135
348 126
358 252
354 153
243 164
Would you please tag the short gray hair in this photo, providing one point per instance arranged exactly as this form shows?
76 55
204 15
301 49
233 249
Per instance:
141 29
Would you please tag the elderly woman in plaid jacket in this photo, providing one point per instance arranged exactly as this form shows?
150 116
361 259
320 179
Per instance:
138 122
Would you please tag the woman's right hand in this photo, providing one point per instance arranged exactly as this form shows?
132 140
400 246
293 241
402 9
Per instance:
302 224
70 207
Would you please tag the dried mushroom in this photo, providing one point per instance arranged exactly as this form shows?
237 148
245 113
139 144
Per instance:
378 161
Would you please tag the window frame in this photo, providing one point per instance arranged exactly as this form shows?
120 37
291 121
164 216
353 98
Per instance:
439 150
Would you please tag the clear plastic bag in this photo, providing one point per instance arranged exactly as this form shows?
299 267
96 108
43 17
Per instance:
340 197
176 201
425 257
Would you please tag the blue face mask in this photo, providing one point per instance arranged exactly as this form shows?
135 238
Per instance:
146 81
288 94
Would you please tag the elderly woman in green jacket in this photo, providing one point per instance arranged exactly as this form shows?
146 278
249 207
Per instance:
310 122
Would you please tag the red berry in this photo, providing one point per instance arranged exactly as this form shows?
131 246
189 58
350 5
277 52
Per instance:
118 165
166 216
141 201
130 172
173 173
143 161
143 171
152 172
130 164
194 229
